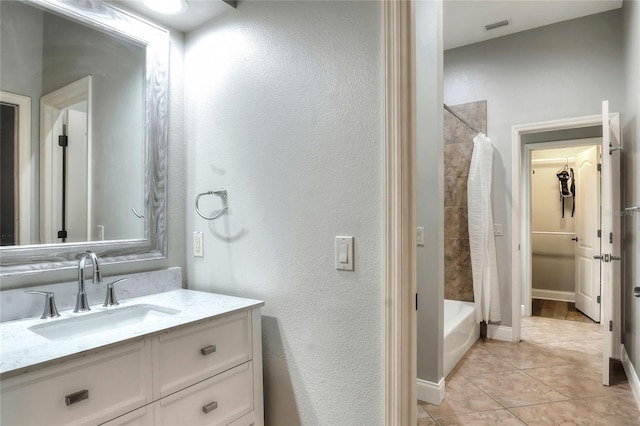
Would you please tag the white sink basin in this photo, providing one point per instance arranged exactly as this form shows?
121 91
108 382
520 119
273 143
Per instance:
96 322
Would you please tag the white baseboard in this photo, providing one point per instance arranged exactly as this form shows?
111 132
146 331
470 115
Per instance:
632 376
430 392
560 296
499 332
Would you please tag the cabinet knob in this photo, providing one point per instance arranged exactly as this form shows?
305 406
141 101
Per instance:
208 350
209 407
76 397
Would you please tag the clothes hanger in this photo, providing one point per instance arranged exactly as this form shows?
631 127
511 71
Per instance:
565 167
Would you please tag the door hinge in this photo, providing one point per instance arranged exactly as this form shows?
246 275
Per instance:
62 234
63 140
610 325
416 301
598 299
599 233
610 237
599 167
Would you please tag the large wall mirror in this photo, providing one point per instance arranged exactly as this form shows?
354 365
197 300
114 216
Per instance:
83 97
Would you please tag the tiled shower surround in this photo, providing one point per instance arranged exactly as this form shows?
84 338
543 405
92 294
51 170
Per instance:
458 148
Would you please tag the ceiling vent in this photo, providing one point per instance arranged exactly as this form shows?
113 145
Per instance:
496 25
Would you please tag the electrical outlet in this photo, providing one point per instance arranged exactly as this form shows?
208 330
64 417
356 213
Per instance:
198 244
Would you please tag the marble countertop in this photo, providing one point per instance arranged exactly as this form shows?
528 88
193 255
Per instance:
22 350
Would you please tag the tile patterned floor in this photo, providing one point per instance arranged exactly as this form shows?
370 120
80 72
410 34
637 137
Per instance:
552 377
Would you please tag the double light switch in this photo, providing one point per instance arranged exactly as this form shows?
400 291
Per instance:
344 253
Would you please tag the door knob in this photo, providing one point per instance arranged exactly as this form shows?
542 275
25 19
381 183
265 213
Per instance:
615 257
636 291
574 239
598 257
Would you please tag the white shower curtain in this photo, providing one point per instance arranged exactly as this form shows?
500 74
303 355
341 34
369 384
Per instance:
481 239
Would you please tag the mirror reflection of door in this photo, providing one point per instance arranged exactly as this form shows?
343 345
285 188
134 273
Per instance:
66 170
71 174
8 179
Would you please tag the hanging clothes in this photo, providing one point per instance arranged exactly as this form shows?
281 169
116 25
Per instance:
567 184
486 289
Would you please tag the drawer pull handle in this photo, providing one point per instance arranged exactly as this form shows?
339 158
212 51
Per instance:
209 407
76 397
208 350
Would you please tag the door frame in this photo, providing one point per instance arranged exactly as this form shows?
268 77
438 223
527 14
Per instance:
50 106
521 215
24 163
399 274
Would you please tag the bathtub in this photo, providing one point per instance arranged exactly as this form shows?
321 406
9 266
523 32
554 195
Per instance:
460 331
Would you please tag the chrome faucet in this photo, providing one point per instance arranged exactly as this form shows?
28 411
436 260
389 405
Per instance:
82 303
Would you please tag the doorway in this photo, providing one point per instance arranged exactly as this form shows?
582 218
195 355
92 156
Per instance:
16 168
565 218
65 207
610 241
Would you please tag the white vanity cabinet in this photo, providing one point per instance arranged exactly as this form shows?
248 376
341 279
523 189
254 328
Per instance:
218 380
88 391
208 372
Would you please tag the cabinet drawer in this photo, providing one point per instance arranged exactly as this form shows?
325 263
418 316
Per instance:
90 390
226 397
140 417
189 355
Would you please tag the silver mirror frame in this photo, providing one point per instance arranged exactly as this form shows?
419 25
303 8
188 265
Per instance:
46 257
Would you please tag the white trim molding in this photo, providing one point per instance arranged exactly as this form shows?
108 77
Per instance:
431 392
632 375
560 296
500 332
520 212
399 219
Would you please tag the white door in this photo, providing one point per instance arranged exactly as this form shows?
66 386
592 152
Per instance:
587 223
69 105
610 241
75 194
77 177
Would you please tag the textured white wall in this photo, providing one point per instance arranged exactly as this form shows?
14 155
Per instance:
284 109
631 180
558 71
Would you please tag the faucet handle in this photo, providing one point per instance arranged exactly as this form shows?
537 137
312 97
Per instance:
50 310
110 299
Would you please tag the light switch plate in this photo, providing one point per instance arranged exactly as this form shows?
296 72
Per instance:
420 236
497 229
198 244
344 244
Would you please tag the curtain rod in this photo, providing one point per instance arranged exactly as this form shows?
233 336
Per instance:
465 122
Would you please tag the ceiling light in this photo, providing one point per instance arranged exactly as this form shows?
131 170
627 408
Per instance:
496 25
167 7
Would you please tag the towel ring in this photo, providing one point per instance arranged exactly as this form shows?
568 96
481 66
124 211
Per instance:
138 215
222 193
